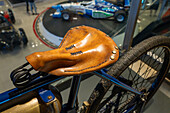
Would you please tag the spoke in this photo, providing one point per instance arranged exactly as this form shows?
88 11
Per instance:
144 75
148 66
126 97
147 72
139 77
143 81
140 66
123 101
123 97
130 69
147 85
156 64
154 72
154 51
162 52
135 85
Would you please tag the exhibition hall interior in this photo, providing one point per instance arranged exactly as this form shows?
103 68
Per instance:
64 55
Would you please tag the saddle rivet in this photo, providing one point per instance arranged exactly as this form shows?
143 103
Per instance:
77 27
114 52
71 28
116 47
107 35
112 57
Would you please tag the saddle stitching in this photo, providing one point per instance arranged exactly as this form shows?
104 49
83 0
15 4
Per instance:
63 40
87 68
79 52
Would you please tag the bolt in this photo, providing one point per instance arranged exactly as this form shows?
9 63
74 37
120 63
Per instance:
143 99
49 97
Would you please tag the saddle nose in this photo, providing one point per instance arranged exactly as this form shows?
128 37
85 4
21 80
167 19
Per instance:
83 49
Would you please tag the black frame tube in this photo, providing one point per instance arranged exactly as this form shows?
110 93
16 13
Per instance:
73 92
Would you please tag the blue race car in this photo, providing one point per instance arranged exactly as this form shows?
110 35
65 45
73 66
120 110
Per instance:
95 9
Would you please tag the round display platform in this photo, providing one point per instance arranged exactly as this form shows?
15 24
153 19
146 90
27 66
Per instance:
52 30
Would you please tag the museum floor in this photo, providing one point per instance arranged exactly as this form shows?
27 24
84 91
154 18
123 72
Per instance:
10 60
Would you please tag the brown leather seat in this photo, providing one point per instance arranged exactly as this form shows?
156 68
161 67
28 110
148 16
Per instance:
83 49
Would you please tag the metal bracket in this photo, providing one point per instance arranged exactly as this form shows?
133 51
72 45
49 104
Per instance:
85 107
46 95
117 82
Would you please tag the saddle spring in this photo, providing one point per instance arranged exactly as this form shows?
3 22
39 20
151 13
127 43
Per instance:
22 76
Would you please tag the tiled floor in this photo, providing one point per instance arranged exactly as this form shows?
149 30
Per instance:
11 60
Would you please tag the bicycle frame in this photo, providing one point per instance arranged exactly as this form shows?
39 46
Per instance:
14 93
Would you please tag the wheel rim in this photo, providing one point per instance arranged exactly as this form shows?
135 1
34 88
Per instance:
66 16
153 63
120 18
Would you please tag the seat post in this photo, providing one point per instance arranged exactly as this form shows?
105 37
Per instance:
131 24
73 92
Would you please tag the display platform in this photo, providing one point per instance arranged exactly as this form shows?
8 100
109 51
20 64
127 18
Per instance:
52 30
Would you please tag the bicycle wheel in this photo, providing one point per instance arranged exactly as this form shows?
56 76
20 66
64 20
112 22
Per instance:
144 68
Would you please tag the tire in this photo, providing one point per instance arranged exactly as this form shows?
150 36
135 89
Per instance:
168 77
23 36
4 46
66 15
157 47
120 16
11 16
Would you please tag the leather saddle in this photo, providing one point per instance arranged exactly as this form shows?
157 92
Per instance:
83 49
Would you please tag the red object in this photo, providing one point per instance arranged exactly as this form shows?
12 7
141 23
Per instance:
167 13
6 15
35 32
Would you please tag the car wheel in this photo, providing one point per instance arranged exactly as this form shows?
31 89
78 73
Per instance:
23 36
5 46
11 16
66 16
120 16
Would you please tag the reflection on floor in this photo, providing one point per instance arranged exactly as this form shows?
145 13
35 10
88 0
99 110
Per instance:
12 59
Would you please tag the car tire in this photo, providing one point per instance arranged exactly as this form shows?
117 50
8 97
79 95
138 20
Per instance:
168 77
120 16
5 46
23 36
11 16
66 15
